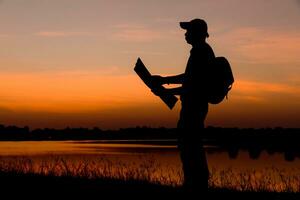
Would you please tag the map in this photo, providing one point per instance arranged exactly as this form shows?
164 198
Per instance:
144 74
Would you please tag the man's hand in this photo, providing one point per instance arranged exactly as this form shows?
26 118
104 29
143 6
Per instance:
157 80
159 91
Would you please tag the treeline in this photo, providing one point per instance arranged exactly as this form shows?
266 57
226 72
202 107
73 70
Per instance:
15 133
210 134
271 140
285 140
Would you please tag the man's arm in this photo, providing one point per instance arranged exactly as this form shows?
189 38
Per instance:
171 91
177 79
174 91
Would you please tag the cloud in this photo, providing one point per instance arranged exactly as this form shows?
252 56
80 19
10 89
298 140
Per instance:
257 45
294 79
136 33
250 98
62 34
247 86
72 91
100 71
136 52
164 20
264 92
4 110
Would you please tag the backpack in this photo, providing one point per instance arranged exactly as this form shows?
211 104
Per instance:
220 80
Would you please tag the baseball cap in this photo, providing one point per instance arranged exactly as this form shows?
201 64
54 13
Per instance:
198 25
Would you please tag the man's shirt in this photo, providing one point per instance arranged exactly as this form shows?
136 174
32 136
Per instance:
195 84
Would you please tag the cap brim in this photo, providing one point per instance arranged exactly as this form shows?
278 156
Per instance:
184 25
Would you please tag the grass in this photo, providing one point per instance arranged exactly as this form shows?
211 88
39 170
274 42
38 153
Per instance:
265 180
98 168
107 176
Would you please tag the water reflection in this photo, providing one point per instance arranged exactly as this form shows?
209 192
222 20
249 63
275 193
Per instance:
160 160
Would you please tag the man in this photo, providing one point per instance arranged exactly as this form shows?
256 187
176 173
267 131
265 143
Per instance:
194 104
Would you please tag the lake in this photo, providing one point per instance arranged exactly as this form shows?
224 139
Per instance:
157 160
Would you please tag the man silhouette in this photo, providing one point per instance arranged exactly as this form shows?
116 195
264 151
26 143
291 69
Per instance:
194 104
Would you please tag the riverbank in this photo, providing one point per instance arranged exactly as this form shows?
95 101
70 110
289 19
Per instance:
40 186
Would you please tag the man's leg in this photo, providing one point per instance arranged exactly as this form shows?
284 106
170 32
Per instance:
194 164
192 153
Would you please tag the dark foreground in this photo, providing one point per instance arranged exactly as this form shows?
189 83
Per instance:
39 187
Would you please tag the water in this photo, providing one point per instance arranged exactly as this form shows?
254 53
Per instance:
162 162
163 153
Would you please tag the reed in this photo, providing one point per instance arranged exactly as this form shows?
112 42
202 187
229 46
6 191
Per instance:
266 180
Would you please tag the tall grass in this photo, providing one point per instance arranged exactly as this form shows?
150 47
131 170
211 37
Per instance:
269 179
97 168
265 180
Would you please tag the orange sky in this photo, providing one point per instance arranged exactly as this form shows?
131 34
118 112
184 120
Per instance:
71 63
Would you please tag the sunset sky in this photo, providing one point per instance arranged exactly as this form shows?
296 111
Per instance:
70 62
